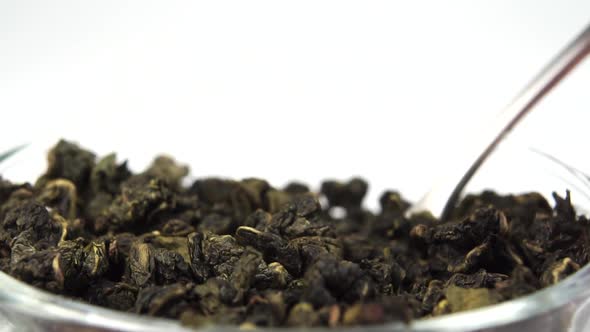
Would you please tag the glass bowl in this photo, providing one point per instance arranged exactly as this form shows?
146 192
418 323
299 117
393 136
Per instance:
562 307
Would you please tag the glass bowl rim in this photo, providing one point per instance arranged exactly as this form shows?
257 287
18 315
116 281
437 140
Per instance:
47 306
37 303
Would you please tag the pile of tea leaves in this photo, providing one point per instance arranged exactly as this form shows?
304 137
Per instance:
221 251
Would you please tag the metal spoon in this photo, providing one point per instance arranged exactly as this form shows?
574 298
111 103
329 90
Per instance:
7 154
443 198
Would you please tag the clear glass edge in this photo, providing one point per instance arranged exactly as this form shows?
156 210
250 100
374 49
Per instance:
46 306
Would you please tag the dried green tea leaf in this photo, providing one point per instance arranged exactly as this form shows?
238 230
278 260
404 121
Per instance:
461 299
167 170
68 161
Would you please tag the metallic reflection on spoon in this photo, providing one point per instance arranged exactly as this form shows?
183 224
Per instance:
442 199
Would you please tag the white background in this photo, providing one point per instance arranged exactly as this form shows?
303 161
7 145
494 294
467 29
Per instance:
283 90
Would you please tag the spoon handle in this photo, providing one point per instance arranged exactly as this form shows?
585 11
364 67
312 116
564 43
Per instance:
443 199
7 154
